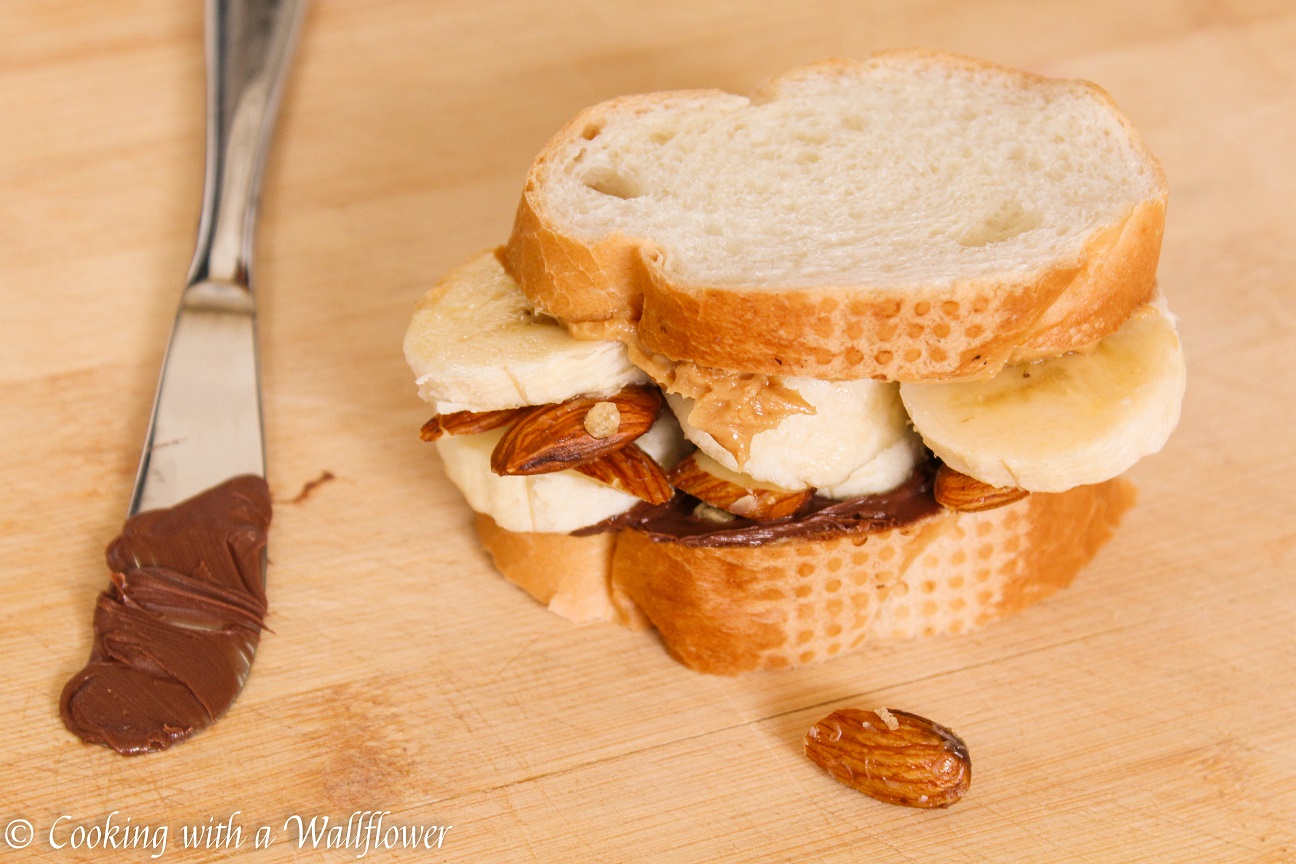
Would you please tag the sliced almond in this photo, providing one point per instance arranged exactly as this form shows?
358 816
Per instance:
467 422
551 438
957 491
707 480
631 470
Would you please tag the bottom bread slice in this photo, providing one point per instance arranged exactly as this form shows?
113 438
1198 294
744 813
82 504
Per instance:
570 575
789 602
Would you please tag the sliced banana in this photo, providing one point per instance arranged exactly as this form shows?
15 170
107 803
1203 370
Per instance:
883 472
858 440
559 502
476 344
1054 424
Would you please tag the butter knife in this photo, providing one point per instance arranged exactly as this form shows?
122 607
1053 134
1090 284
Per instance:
206 425
176 630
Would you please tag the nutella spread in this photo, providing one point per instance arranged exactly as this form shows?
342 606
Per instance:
676 521
175 632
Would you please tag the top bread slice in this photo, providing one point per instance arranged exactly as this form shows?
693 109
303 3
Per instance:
914 216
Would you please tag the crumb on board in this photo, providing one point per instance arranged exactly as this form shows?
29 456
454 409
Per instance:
309 487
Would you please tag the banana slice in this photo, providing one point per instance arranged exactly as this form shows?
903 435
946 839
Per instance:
857 442
1054 424
559 502
476 344
883 472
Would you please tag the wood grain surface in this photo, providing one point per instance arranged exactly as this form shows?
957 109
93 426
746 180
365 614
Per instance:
1144 715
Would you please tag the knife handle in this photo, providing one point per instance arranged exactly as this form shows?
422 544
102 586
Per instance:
249 43
206 424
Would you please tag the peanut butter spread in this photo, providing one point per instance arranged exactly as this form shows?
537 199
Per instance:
731 407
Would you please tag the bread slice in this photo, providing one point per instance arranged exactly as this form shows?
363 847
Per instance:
726 610
571 575
914 216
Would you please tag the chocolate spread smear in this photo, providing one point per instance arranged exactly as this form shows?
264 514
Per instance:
820 517
176 630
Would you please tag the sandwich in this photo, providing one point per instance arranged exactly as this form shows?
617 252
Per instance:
863 355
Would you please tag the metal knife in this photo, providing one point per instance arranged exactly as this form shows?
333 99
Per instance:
177 628
206 425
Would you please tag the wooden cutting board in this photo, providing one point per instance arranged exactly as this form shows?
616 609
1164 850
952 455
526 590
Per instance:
1143 715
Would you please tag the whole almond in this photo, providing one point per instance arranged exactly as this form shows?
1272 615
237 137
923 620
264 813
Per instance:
893 756
467 422
551 438
957 491
631 470
697 476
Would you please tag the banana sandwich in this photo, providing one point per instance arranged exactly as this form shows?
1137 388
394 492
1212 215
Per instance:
863 355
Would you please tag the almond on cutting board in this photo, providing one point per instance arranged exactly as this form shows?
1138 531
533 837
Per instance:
893 756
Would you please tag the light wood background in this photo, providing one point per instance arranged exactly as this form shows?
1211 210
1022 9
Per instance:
1144 715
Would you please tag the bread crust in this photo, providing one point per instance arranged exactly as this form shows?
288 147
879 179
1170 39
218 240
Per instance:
902 332
569 575
726 610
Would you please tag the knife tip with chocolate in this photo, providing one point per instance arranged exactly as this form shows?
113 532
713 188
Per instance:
903 318
176 630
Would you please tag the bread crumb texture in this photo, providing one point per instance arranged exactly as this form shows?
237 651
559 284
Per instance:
892 170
